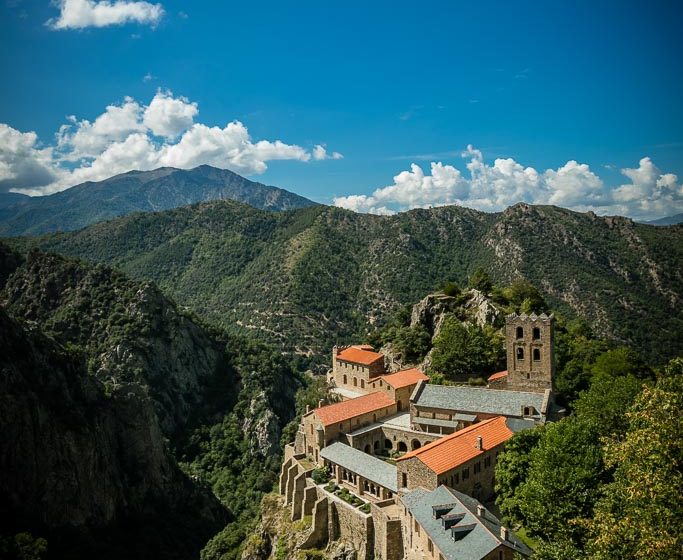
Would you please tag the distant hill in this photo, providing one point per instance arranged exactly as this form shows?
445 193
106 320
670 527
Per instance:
667 221
136 191
312 277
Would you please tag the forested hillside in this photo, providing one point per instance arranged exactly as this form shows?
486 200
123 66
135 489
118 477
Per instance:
308 278
165 429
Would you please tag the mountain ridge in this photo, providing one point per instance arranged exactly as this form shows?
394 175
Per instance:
308 278
136 191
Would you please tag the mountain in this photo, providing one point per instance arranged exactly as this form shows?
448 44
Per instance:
136 191
312 277
10 198
667 221
88 467
130 429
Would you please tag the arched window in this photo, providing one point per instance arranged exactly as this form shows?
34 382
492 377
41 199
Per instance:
355 382
520 332
402 447
368 449
536 333
387 444
520 353
537 355
415 444
362 384
345 381
376 446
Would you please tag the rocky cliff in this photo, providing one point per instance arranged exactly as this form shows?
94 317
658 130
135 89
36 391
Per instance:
86 465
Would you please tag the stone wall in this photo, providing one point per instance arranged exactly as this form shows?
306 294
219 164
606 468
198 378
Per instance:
415 473
388 534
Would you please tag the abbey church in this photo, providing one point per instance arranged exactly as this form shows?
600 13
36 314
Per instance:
408 466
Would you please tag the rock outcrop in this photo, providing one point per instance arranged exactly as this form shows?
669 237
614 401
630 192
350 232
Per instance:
86 465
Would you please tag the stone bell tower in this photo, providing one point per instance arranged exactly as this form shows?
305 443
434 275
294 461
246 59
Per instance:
530 356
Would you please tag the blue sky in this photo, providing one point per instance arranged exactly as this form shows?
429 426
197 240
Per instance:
534 85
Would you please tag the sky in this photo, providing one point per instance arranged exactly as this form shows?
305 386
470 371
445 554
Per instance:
373 106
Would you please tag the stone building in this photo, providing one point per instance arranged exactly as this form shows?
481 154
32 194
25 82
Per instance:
464 460
443 409
444 524
529 343
399 386
365 475
353 367
330 423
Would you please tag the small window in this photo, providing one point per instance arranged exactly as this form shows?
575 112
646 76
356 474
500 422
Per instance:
355 382
380 382
520 332
345 381
477 467
536 333
456 478
404 480
466 473
430 546
520 353
362 384
487 462
537 354
311 429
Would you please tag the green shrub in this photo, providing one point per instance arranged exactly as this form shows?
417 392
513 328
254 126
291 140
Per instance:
320 475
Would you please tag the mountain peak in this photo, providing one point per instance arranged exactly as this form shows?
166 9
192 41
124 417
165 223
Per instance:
139 191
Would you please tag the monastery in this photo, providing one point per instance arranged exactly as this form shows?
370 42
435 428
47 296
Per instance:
401 468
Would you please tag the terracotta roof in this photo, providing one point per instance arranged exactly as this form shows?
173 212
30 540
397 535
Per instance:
448 452
498 375
345 410
360 355
404 378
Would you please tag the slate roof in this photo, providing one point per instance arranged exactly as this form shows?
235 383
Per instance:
369 467
445 423
475 544
345 410
476 399
459 447
404 378
363 355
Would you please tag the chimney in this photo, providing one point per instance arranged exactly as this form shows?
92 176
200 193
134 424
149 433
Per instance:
308 408
503 533
320 403
480 442
481 511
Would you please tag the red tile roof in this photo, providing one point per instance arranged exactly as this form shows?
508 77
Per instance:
453 450
404 378
360 355
498 375
345 410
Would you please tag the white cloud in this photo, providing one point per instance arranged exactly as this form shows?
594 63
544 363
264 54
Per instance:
320 153
79 14
23 165
494 187
168 116
129 136
90 138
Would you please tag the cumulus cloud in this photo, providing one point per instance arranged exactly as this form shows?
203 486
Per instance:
79 14
319 152
649 193
168 116
130 135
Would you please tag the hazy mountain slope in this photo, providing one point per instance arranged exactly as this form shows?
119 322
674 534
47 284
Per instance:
667 221
314 276
137 191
